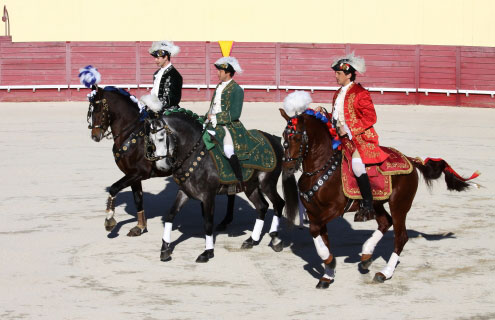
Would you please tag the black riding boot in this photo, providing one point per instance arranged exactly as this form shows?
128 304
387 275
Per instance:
366 211
236 167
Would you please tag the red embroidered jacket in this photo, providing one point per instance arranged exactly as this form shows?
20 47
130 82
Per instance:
360 116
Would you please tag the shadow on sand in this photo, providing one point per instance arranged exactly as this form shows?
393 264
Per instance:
344 240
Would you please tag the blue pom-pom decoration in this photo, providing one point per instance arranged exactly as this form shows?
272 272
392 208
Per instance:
89 76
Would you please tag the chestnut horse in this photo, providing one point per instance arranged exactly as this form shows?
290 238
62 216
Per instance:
113 113
308 142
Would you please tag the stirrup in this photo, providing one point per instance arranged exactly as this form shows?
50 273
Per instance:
364 214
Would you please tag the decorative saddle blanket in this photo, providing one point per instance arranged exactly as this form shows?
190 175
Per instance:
380 175
261 157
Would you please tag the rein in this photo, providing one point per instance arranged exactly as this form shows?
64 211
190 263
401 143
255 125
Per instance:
332 163
182 175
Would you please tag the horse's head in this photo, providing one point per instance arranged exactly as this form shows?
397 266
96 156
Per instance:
163 143
295 142
98 114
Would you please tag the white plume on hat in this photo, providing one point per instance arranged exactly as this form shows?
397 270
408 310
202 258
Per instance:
355 61
297 102
232 61
168 46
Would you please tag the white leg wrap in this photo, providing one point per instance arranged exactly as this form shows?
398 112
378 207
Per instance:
258 226
209 242
167 231
110 214
321 248
275 223
388 271
370 244
329 273
302 212
358 167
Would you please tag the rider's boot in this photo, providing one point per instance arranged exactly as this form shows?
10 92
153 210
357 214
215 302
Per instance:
366 211
236 167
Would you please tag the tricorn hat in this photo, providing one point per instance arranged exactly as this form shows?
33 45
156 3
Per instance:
349 63
163 48
229 64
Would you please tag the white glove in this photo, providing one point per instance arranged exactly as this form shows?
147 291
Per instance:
213 120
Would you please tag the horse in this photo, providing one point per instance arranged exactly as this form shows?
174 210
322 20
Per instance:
177 137
112 112
308 143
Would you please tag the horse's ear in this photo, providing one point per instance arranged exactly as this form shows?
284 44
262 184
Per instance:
284 114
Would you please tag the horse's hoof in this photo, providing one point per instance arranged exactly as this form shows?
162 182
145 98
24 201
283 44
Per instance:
379 278
205 256
110 224
365 265
324 283
136 232
248 244
165 252
277 243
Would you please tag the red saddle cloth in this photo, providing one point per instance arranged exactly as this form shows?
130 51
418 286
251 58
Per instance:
380 175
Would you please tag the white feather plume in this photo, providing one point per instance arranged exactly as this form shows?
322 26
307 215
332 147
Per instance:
232 61
168 46
297 102
152 102
356 62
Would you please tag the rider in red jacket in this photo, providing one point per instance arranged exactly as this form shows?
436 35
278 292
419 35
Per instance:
353 114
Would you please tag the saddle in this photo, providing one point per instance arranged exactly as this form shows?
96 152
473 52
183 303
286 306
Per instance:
380 175
260 156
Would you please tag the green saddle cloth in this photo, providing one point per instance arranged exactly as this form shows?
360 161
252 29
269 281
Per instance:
261 156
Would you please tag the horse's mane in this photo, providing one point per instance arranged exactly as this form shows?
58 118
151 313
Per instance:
121 92
326 122
187 114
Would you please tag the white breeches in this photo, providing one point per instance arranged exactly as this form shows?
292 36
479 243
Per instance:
228 144
358 167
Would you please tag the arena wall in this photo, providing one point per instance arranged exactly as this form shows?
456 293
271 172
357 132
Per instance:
396 74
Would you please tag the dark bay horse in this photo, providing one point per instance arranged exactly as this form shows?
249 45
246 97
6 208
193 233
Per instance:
308 142
178 140
112 113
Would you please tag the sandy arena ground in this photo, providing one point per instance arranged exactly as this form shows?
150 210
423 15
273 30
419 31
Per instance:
58 262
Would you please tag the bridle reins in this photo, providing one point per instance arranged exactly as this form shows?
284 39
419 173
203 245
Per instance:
176 164
105 119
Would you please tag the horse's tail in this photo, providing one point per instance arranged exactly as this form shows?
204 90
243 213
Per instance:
432 169
289 187
289 184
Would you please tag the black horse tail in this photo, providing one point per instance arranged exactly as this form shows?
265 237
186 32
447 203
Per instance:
289 184
289 187
432 169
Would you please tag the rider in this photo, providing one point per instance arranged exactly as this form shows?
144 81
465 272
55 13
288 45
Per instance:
225 111
353 114
167 81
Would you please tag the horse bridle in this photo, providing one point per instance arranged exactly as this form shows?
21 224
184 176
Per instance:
290 131
93 104
153 130
176 164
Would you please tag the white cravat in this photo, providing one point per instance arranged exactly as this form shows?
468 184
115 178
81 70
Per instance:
338 109
158 78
